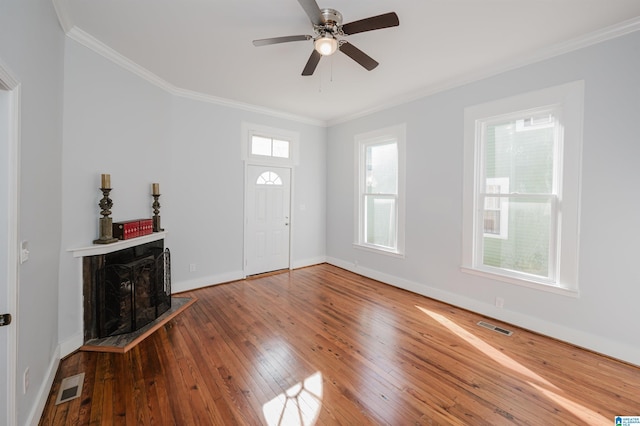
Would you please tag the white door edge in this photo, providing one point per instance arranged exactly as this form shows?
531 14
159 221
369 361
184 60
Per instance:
12 276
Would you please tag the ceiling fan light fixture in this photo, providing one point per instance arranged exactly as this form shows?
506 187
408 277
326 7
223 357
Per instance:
326 45
328 35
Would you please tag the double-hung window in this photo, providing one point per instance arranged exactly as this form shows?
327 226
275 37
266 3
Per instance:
380 189
522 171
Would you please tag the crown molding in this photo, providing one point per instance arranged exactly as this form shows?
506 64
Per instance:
599 36
198 96
60 6
92 43
87 40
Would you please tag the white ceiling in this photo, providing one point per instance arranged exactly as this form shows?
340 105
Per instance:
206 46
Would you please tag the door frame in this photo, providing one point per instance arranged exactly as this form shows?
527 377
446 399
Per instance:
12 86
245 254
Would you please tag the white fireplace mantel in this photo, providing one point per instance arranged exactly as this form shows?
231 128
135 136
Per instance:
98 249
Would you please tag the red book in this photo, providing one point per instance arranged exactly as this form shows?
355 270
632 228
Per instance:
149 226
126 230
146 226
132 228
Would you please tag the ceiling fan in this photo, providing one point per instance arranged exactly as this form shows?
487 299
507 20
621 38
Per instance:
328 29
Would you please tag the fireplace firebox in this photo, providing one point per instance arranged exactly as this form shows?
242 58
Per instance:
126 289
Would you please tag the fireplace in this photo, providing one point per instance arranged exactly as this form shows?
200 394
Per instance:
125 290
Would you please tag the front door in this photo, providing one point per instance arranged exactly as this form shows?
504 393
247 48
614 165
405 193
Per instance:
267 219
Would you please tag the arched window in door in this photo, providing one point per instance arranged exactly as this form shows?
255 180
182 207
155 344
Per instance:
269 178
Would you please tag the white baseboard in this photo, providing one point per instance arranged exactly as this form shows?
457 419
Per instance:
71 345
180 286
43 393
615 349
308 262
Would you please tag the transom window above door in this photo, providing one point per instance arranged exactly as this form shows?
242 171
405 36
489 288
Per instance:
269 145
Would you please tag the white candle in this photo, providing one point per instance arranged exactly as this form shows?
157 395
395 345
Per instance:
155 189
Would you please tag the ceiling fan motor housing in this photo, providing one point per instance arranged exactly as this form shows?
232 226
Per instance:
331 17
331 23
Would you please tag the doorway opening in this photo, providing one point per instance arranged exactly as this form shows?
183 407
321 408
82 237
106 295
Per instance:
267 226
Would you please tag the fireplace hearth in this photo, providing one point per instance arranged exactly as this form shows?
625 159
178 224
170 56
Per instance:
125 290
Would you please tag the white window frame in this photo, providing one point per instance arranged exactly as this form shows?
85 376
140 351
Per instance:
567 101
250 129
395 134
503 208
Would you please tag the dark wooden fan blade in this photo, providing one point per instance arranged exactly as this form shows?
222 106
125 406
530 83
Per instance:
312 63
374 23
358 55
276 40
312 10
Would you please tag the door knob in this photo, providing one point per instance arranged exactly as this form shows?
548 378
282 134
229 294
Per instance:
5 319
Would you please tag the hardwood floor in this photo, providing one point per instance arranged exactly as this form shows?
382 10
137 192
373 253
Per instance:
323 346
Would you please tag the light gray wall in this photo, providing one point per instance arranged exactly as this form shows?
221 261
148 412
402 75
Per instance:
32 48
602 317
205 205
116 122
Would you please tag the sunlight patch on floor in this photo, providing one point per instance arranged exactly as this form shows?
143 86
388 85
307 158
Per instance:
487 349
589 416
297 406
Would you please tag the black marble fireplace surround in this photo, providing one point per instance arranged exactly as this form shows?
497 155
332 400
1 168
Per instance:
126 289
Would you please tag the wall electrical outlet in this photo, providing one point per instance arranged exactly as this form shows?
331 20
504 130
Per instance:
499 302
192 267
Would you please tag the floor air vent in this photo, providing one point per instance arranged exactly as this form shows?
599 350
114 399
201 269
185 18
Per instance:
70 388
495 328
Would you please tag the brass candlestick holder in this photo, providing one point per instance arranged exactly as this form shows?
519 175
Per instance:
106 223
156 216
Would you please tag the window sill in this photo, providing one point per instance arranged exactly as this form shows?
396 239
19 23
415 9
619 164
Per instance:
549 288
379 250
